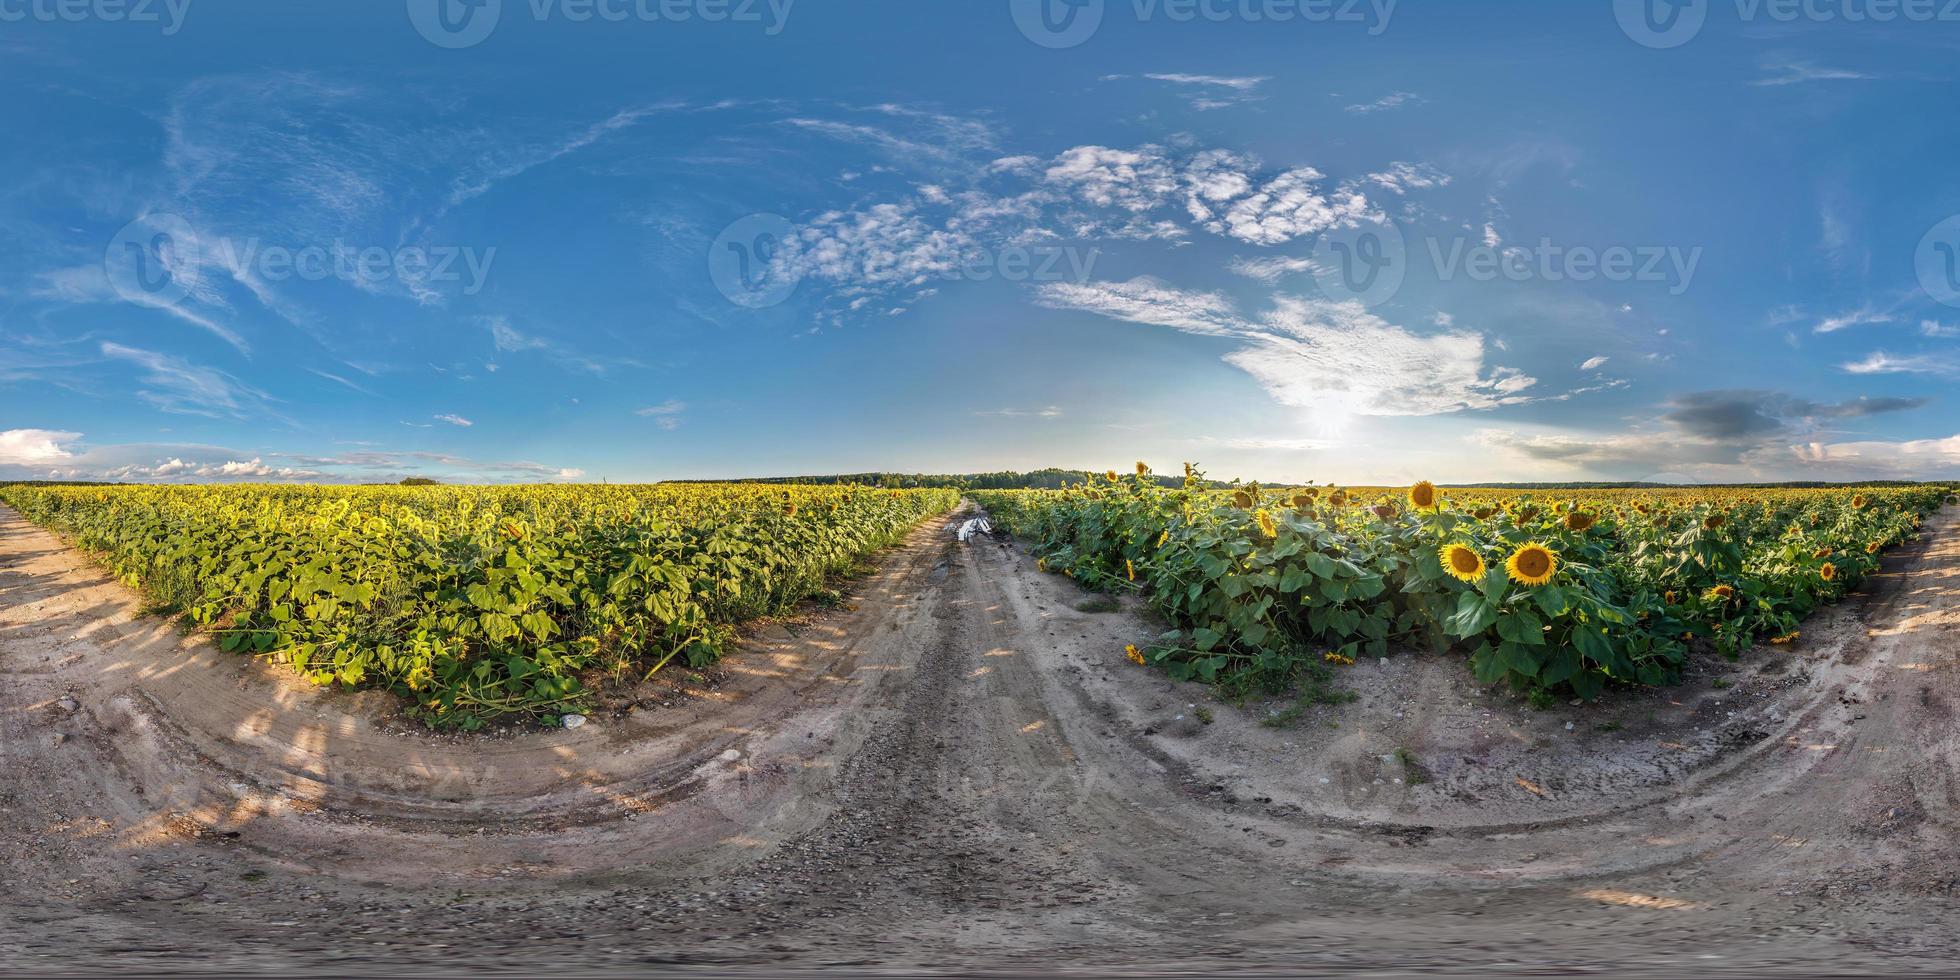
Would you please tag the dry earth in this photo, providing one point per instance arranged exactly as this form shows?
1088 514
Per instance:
962 772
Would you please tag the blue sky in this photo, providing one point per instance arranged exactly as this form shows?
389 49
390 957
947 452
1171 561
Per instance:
1291 241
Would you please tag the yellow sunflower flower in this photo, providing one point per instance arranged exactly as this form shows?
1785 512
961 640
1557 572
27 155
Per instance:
1422 496
1532 564
1463 562
1267 526
1130 650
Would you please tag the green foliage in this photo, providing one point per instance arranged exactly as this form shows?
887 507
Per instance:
477 602
1262 587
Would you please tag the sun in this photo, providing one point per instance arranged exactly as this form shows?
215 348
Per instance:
1532 564
1463 562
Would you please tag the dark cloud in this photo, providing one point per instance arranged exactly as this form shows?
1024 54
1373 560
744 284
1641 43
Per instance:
1741 415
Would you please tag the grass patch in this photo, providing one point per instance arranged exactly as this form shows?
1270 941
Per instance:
1098 604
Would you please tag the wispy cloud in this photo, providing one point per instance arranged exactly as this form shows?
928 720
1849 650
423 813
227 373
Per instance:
1862 317
1049 412
174 384
455 420
1393 100
666 415
1204 92
1880 362
1788 71
1272 269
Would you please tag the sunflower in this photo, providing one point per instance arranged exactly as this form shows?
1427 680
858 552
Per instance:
1829 572
1242 500
1111 476
1130 650
1532 564
1462 562
1822 553
1580 520
1267 526
1672 598
1873 548
1482 513
1722 592
1130 569
1164 539
1525 514
1422 496
1302 501
1859 502
1784 640
1337 499
789 508
1142 469
1384 511
1714 522
1335 658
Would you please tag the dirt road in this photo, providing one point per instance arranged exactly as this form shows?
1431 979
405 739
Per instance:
963 771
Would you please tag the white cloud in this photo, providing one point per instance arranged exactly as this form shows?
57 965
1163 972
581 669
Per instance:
455 420
1145 300
1336 358
1206 92
1856 318
1134 180
1272 270
35 447
176 385
1911 459
666 415
1242 84
1050 412
1401 178
1594 363
1880 362
1792 72
1291 205
1394 100
1934 328
1279 445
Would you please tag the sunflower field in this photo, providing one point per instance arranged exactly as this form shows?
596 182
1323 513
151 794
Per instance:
477 602
1555 593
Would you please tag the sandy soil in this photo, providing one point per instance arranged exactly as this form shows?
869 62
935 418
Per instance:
962 771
